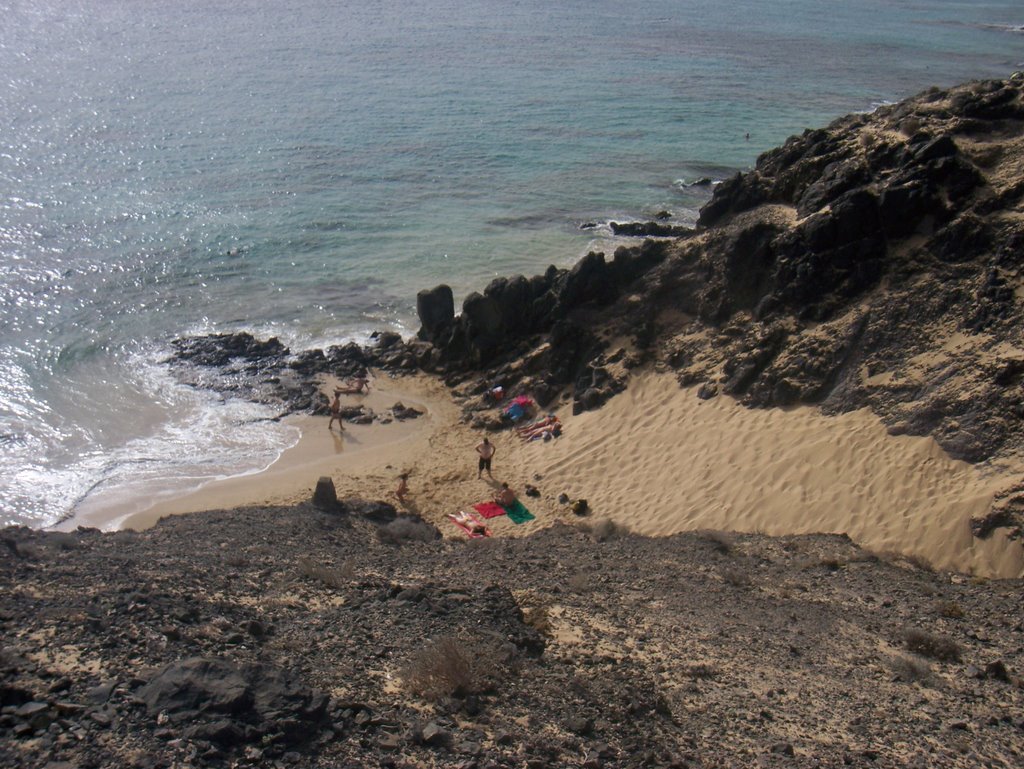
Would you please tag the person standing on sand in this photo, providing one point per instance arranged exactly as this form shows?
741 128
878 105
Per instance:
403 487
486 451
336 411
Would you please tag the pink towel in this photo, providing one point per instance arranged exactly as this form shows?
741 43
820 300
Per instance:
489 509
465 522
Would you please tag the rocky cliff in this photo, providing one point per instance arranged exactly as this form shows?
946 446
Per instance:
873 263
876 262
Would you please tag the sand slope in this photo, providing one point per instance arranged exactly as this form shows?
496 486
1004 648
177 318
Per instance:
660 460
656 459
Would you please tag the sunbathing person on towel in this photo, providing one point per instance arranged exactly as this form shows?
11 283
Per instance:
540 424
547 431
474 525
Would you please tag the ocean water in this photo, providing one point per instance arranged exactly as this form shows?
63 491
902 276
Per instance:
302 169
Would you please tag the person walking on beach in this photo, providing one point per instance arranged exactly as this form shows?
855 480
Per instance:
403 487
336 412
486 451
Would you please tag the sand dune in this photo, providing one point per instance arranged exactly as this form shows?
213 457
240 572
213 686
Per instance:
660 460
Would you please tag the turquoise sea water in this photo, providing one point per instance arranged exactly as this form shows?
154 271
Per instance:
303 169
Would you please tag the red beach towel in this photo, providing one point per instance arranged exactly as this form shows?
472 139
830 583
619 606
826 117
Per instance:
489 509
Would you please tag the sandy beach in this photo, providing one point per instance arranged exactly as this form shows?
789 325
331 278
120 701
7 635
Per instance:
655 459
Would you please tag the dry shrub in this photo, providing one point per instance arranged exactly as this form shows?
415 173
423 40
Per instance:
910 669
702 670
536 608
454 667
606 530
61 540
403 530
537 614
236 561
578 583
829 563
894 557
910 126
952 610
920 563
721 541
933 645
737 577
336 577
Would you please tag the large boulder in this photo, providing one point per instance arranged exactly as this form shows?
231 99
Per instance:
196 686
436 310
233 701
484 323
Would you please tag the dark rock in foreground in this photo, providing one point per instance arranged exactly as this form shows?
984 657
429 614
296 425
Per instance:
296 637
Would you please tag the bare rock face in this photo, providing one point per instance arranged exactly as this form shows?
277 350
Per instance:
227 704
436 310
869 263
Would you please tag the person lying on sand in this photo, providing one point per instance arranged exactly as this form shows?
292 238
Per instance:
549 421
353 387
506 496
473 524
547 428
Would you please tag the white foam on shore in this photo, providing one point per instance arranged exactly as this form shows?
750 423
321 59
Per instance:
176 439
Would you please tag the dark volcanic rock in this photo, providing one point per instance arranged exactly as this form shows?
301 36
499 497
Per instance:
324 495
872 241
436 310
242 700
651 229
580 633
221 349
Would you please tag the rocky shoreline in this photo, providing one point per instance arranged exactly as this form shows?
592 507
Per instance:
875 263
